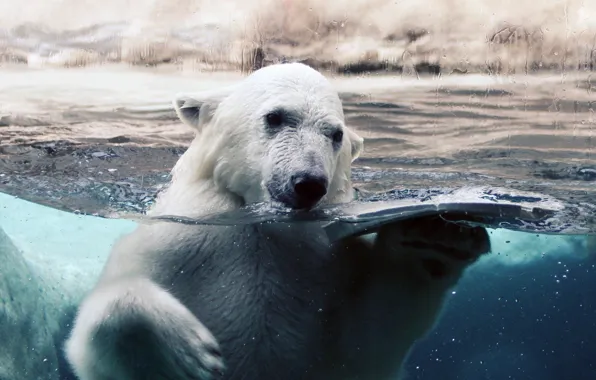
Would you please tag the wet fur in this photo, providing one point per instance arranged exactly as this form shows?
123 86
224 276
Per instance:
271 301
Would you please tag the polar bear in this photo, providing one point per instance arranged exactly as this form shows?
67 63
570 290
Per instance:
271 300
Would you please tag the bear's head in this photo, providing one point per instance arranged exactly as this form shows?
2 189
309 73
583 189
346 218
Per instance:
277 135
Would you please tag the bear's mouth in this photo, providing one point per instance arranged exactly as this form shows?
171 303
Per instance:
293 202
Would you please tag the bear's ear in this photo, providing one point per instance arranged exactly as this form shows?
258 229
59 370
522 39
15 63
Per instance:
196 110
357 144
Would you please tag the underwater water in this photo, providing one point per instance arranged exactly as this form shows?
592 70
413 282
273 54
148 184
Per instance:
524 311
84 151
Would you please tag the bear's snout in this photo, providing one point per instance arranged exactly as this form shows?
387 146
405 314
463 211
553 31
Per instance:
309 188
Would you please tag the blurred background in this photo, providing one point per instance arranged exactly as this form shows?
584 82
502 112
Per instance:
486 36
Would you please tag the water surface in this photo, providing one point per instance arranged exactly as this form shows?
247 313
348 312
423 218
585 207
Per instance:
102 140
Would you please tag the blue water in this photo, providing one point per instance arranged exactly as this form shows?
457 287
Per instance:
523 322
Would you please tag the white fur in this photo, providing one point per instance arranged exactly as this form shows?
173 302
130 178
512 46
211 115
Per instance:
276 301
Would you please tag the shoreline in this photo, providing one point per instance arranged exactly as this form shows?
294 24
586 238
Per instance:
368 67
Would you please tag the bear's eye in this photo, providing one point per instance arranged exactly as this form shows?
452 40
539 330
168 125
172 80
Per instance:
274 119
337 136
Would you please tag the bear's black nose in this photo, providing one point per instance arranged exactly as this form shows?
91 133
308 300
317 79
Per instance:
309 188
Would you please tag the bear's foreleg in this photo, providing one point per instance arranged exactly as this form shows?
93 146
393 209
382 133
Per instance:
133 329
395 291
